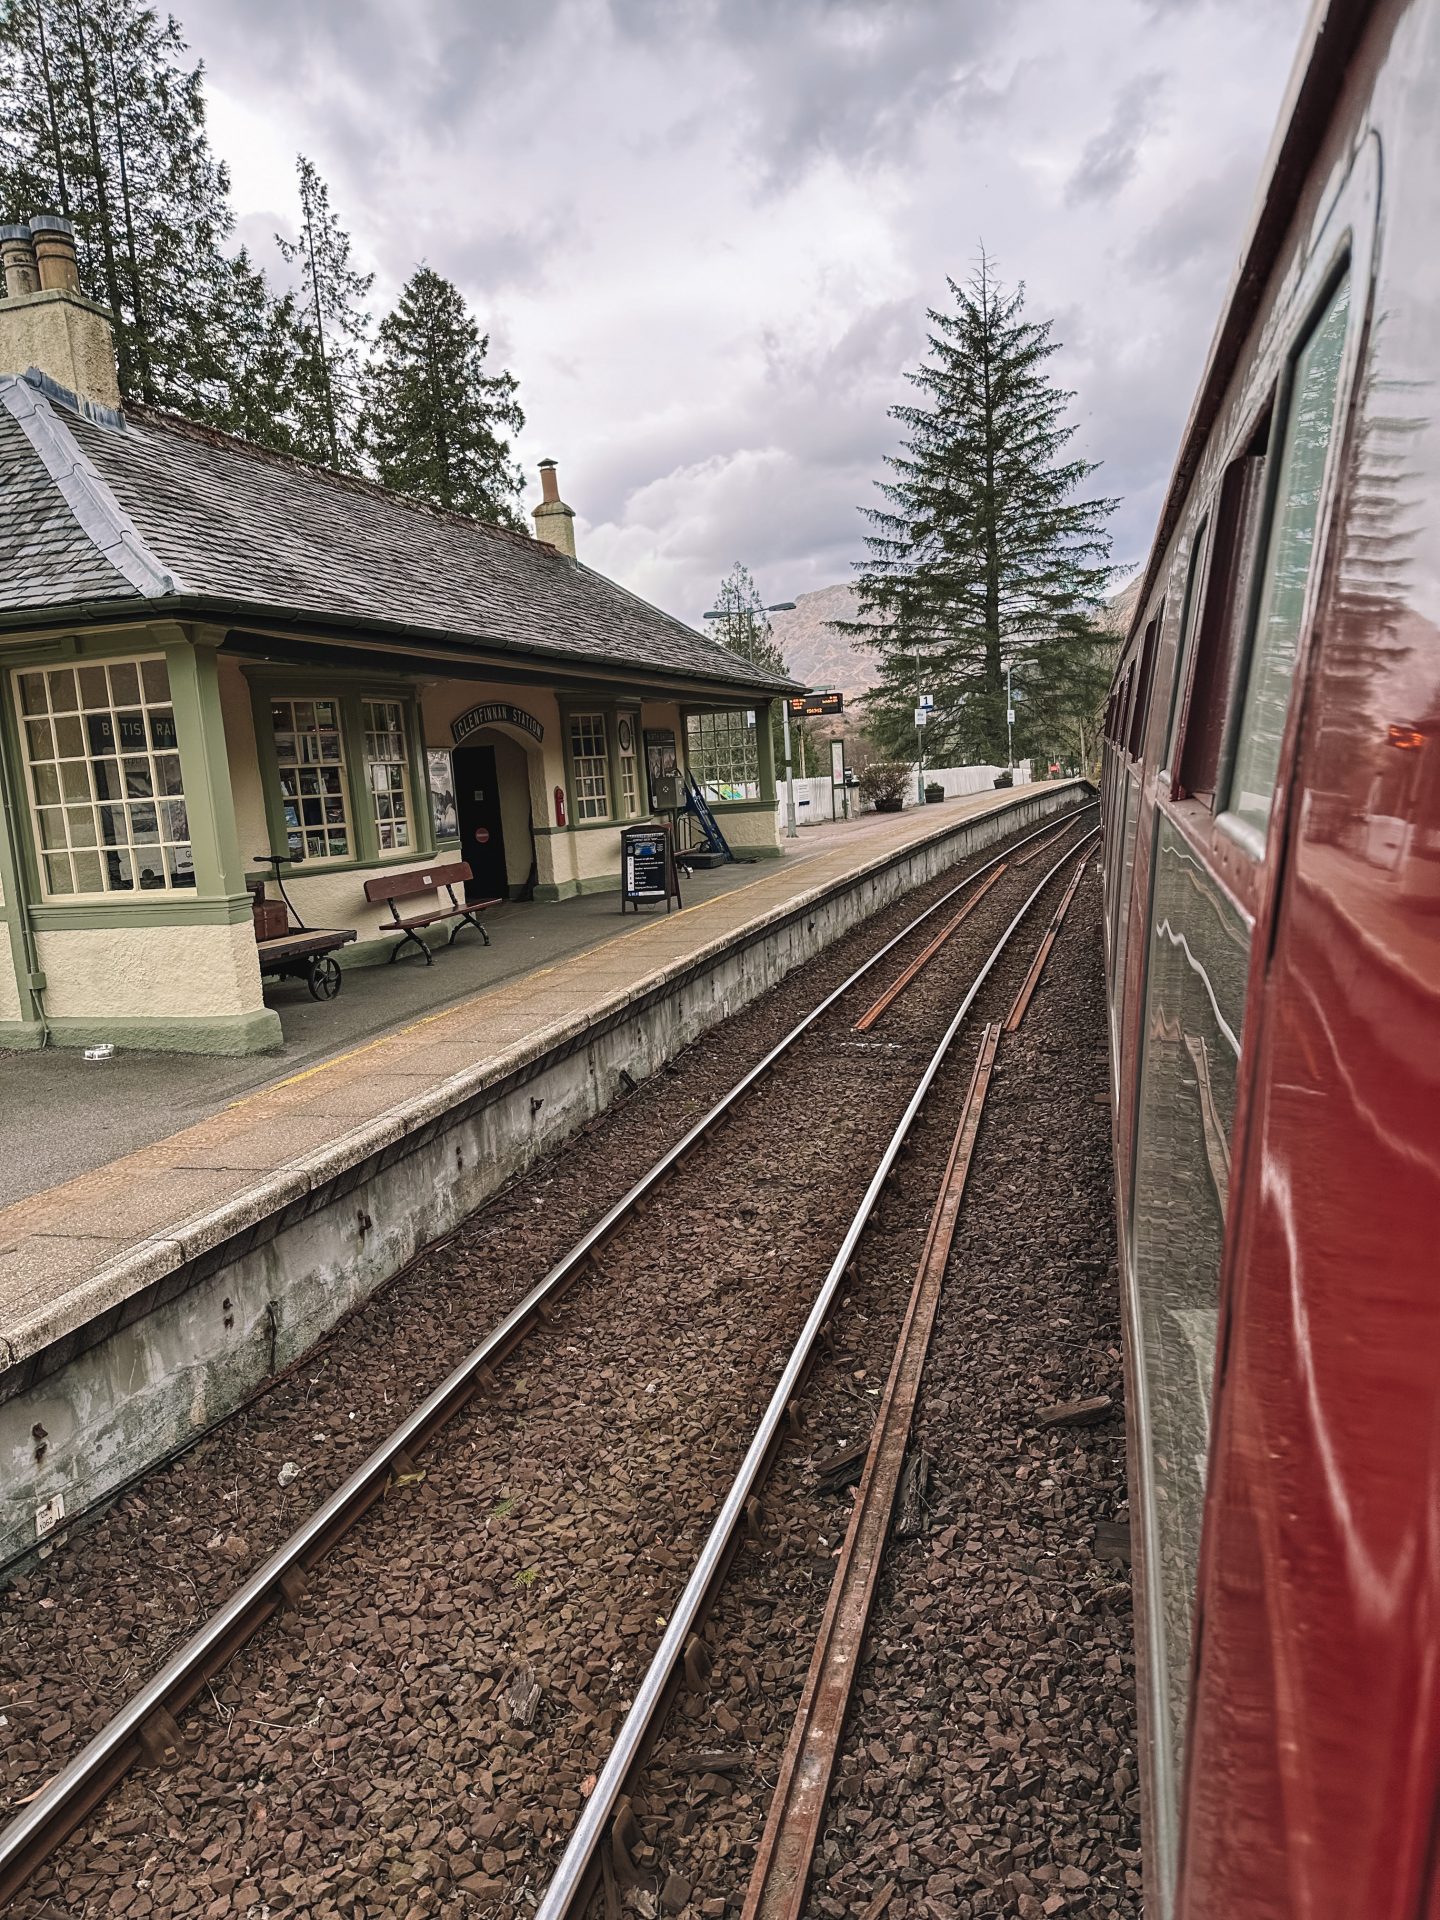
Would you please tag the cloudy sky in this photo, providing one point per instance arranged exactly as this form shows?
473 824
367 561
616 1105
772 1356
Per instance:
704 233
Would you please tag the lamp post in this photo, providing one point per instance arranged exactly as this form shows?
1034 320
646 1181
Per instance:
792 832
1010 666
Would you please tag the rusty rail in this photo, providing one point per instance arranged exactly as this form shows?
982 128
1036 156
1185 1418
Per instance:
1042 952
782 1865
922 960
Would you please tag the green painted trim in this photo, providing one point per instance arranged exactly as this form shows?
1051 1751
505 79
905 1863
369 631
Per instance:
762 850
257 1032
123 643
588 826
318 869
14 833
604 705
22 1036
155 910
742 806
296 683
364 953
204 765
765 716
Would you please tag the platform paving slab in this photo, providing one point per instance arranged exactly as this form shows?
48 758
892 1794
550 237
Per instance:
72 1250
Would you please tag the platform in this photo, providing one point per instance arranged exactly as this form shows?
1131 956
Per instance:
305 1193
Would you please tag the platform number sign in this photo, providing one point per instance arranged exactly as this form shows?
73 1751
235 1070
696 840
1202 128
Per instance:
647 867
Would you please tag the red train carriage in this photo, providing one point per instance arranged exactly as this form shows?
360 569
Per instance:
1272 870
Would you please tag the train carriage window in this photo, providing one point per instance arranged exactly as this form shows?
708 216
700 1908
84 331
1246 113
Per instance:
1221 615
1140 713
1309 428
1184 645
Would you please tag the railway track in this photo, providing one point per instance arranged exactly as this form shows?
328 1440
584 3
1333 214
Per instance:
780 1879
147 1728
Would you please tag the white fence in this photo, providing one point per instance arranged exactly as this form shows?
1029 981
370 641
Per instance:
815 799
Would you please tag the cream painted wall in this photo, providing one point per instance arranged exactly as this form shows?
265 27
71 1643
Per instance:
758 829
9 990
95 973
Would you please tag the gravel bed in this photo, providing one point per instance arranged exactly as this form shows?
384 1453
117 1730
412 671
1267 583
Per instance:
940 1826
989 1765
532 1532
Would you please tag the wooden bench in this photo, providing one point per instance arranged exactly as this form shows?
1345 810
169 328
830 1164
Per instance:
394 887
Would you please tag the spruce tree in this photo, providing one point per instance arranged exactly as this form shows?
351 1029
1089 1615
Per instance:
334 329
740 622
982 553
437 423
102 119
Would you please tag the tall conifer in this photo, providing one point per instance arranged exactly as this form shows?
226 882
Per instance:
982 552
437 422
334 328
102 119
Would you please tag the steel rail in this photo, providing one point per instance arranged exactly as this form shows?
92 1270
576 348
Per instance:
781 1872
146 1720
572 1880
922 959
1042 952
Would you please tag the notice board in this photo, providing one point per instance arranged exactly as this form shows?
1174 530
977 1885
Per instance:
647 867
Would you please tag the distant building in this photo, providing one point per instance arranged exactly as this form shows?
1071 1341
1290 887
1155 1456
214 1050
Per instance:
210 653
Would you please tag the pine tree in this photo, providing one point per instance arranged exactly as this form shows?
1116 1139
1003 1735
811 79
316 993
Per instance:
102 119
256 346
437 424
740 622
982 553
334 329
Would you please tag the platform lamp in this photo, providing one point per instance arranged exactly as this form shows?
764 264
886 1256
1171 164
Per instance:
779 606
1010 666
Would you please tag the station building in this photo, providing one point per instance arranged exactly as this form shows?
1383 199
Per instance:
211 654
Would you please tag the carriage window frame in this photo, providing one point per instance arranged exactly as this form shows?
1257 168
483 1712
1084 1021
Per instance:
1241 830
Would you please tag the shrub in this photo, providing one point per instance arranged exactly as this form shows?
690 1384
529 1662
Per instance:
934 791
883 783
1005 779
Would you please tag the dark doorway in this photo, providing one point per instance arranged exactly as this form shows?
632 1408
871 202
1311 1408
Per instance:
482 838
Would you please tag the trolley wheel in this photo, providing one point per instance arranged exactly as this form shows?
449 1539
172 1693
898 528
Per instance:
324 980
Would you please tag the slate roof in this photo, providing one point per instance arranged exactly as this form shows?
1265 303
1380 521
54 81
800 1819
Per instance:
190 517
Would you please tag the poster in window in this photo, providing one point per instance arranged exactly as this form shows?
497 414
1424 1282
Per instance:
162 732
442 793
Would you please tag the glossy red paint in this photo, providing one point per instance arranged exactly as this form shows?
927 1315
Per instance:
1308 1786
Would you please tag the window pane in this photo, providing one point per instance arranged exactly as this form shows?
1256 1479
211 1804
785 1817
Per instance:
124 683
1288 557
94 688
310 754
87 764
1195 1001
723 754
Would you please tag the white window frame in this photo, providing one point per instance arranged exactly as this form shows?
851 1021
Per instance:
157 769
589 766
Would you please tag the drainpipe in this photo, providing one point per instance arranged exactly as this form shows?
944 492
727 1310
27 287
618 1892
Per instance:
34 978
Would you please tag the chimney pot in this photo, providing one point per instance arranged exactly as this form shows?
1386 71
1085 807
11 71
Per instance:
17 258
554 521
55 253
48 326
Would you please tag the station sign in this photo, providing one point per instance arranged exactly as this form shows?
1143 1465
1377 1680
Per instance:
489 714
813 706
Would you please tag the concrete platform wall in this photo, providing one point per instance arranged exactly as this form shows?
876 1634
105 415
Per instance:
117 1395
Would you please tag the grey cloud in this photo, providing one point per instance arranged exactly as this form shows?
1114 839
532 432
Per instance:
1111 158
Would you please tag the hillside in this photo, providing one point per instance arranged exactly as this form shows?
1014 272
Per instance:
814 652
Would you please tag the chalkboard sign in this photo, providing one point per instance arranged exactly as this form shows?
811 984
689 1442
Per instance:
647 867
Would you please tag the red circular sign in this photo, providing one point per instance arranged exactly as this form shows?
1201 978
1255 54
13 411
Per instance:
482 836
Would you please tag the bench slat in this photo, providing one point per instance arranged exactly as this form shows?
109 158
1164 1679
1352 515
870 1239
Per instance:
415 881
441 913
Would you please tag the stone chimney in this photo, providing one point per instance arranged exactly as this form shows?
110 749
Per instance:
554 521
46 323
